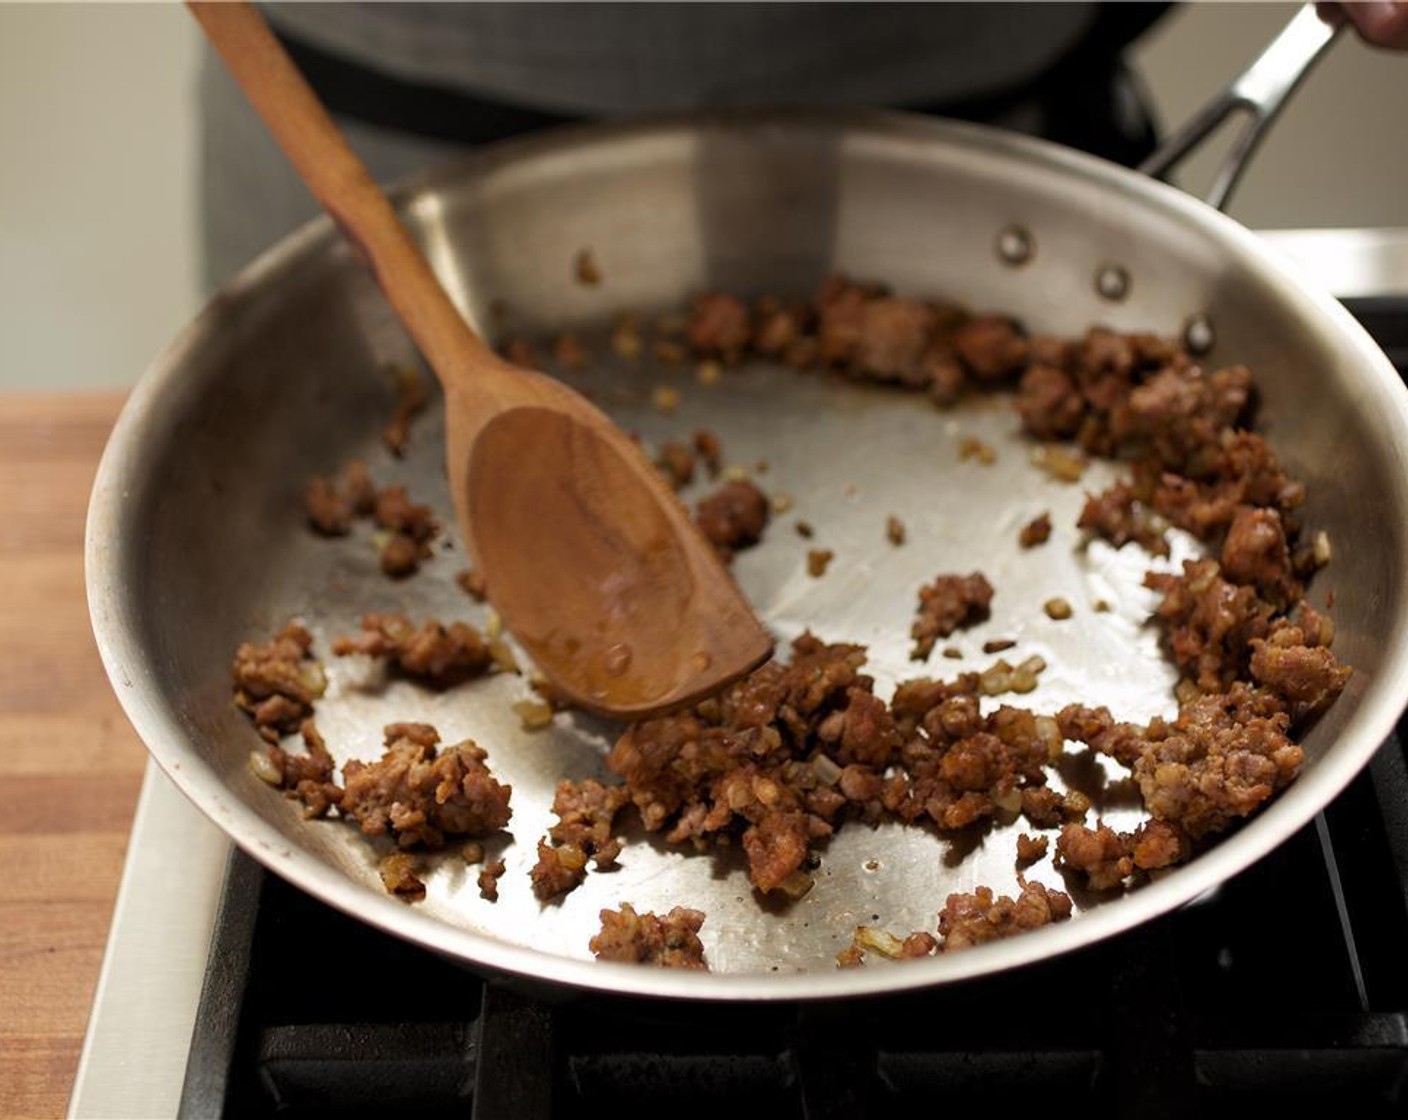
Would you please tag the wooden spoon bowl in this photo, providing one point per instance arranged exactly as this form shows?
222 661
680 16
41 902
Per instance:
590 559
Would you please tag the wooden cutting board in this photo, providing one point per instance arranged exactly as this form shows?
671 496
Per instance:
70 766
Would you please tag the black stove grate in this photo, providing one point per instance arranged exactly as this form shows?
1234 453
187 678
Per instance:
1287 987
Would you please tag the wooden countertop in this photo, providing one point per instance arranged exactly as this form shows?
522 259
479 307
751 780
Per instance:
70 766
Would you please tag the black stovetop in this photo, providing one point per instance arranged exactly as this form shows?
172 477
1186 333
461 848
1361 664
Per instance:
1286 987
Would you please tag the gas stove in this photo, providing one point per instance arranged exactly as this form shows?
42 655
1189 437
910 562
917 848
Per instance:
222 990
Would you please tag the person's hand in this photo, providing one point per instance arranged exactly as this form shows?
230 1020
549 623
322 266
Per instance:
1382 23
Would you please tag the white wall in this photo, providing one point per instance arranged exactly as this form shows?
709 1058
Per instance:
97 208
97 211
1337 156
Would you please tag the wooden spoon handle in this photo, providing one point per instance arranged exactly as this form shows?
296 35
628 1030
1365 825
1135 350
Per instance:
340 182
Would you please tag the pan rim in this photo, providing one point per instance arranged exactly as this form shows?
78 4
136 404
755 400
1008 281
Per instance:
1376 710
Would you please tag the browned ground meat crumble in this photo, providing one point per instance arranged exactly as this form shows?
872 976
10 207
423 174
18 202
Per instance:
568 353
818 560
976 450
473 584
412 528
949 603
973 919
1107 858
276 683
1219 632
332 506
784 757
1036 531
398 876
894 530
585 268
558 870
669 942
1221 759
733 517
409 528
966 920
719 327
489 877
411 398
710 450
1030 849
852 956
416 794
307 777
676 461
1256 659
586 813
420 795
433 653
781 759
1119 517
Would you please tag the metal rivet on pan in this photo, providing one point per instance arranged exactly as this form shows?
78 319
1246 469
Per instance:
1015 245
1198 334
1112 282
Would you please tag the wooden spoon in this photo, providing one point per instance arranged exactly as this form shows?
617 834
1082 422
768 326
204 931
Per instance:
592 562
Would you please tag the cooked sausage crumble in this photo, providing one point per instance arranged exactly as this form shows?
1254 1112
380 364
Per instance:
783 758
669 942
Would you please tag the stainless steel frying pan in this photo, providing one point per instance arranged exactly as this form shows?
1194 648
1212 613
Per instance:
196 538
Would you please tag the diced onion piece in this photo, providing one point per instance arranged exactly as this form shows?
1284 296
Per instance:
1023 677
313 678
996 679
796 885
534 714
1057 609
625 338
826 769
766 791
1049 732
572 857
666 399
1060 464
879 941
973 448
266 769
1010 801
503 656
1320 548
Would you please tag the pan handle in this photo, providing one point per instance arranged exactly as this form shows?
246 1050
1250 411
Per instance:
1259 91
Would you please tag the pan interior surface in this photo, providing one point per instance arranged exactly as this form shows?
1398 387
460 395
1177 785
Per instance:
197 539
